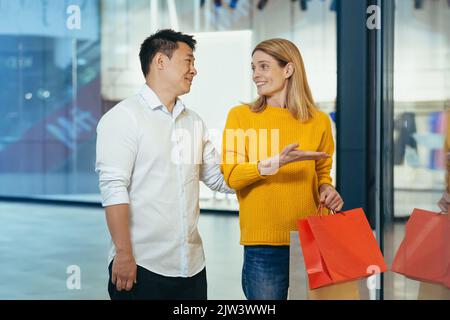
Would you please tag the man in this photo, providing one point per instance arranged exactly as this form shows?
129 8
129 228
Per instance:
151 153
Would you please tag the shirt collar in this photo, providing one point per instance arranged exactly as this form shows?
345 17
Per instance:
153 101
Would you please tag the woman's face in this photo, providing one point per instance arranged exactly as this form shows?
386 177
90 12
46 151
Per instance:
268 76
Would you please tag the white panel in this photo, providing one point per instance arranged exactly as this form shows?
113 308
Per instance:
222 60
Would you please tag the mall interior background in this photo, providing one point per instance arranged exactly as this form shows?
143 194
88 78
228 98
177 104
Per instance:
57 80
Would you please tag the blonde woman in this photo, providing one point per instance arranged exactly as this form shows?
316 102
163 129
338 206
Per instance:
277 155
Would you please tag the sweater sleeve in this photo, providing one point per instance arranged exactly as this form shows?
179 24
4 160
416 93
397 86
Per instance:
236 168
323 167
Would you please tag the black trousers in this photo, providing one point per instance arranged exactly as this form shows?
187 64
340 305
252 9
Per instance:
153 286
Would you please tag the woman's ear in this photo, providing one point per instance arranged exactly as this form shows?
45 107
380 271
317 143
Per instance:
289 70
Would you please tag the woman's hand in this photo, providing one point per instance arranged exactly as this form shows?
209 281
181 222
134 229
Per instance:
289 154
330 198
444 202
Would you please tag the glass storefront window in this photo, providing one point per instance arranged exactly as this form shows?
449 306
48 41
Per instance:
421 97
50 77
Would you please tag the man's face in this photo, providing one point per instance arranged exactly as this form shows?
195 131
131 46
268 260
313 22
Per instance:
180 69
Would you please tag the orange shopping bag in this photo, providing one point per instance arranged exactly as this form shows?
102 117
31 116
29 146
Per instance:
424 253
338 248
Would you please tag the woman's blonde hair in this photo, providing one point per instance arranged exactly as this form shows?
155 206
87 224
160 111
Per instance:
299 100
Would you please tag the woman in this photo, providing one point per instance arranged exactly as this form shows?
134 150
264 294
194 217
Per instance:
275 188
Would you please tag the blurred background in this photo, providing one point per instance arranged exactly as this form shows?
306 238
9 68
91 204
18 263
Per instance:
64 63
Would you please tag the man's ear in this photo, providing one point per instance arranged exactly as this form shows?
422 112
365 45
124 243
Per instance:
288 70
159 60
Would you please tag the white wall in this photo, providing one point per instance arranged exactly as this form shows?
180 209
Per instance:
222 60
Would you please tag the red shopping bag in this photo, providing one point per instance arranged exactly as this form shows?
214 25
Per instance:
339 248
424 253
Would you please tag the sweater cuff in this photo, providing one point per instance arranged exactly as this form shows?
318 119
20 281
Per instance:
325 181
256 171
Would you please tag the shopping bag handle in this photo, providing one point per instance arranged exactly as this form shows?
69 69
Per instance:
320 210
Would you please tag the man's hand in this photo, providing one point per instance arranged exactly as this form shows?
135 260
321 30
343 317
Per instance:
444 202
124 266
124 271
330 198
289 154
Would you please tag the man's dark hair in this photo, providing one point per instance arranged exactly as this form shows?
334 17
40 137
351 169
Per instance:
164 41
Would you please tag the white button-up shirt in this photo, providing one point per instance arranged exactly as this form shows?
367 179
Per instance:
153 160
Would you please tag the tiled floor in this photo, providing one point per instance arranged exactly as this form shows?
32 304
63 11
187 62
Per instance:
39 242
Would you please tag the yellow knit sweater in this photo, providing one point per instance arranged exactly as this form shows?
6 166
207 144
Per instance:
269 206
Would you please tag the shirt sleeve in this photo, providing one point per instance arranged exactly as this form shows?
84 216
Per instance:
238 171
210 172
323 166
116 149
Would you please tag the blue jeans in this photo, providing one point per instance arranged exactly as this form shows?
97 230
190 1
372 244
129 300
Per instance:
265 273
